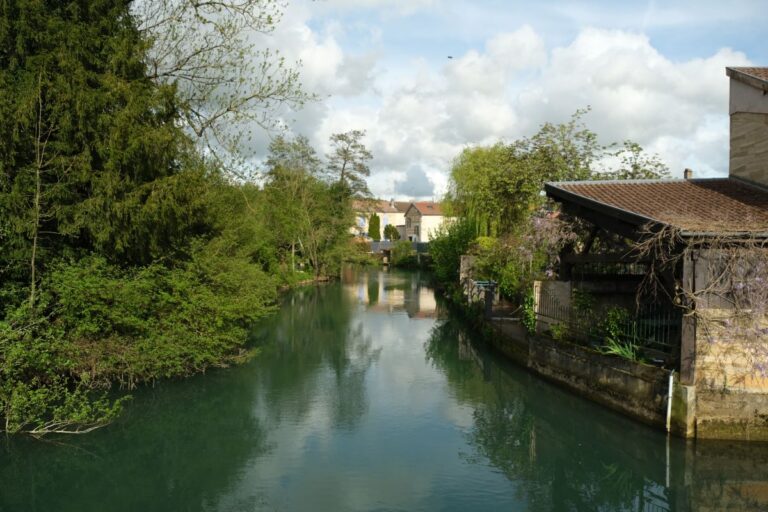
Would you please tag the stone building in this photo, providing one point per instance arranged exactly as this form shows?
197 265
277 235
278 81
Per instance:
711 239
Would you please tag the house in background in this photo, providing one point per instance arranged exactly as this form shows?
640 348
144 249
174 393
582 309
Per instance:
422 219
389 212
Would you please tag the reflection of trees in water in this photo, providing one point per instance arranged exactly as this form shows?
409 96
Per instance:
179 447
539 437
309 338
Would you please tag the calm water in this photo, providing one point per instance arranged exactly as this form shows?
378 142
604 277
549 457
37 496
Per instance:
367 397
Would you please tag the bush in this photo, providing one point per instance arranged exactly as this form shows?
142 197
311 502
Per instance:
446 248
359 253
98 325
403 254
391 233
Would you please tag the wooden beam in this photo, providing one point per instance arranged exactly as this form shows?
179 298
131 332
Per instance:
688 338
590 240
603 221
600 258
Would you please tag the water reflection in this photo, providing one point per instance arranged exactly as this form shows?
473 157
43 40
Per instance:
367 395
178 452
570 455
392 291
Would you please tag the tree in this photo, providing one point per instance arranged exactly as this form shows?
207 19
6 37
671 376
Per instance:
634 164
292 166
94 147
391 232
215 54
497 187
348 162
374 227
308 215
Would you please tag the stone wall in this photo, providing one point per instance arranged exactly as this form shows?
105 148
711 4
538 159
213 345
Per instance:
635 389
731 388
749 147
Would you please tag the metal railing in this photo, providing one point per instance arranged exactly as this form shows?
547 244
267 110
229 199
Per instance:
654 328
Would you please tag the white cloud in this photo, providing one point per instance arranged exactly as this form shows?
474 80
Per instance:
421 114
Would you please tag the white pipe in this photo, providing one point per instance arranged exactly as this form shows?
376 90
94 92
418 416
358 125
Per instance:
669 400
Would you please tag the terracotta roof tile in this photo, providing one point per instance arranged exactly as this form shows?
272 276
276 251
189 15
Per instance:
702 205
428 208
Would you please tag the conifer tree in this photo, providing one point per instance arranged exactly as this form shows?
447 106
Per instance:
374 227
91 151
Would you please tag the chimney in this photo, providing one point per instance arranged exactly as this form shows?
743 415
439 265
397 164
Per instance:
392 203
688 174
749 124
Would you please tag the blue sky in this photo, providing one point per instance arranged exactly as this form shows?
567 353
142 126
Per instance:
651 71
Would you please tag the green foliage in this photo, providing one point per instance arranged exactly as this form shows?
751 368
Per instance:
359 253
521 256
528 318
308 216
403 254
619 333
448 244
498 187
498 190
92 157
613 322
391 232
374 227
559 331
125 256
624 349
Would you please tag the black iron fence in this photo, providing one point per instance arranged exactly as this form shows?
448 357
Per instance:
649 331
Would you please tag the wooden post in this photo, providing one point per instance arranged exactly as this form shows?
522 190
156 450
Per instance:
688 337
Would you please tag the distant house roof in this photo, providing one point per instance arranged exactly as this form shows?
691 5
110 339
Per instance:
756 77
697 206
402 206
379 206
428 208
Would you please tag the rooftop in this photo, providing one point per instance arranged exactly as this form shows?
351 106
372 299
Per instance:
707 206
379 206
428 208
756 77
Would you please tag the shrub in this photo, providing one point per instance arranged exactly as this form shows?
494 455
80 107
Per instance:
391 233
403 254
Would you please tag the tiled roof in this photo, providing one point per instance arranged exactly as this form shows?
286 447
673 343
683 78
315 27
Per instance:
402 206
756 77
428 208
722 205
379 206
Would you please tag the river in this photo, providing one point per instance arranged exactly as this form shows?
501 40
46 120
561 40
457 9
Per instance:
367 395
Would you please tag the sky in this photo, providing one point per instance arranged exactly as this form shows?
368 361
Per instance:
428 78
